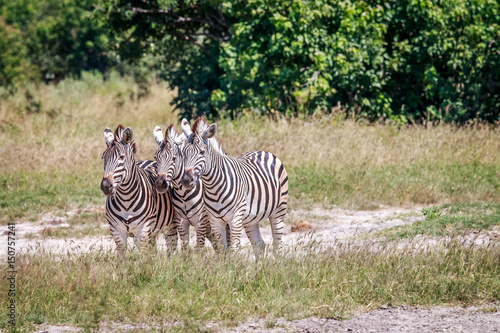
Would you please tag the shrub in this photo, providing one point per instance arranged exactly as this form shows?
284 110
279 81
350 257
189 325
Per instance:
405 60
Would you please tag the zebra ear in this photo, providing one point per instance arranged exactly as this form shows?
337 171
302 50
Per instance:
209 132
127 135
158 135
186 128
108 136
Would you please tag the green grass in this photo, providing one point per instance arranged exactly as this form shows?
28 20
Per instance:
395 185
52 161
454 218
28 194
87 289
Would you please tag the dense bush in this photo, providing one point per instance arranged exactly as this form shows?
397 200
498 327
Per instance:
402 60
62 37
14 65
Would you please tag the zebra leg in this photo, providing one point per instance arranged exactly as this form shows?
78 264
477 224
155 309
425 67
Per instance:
253 233
201 231
142 239
120 239
211 236
228 235
235 227
152 242
183 229
219 234
171 238
277 227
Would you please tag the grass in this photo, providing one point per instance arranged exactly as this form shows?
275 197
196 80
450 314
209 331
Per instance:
52 146
86 290
449 219
51 162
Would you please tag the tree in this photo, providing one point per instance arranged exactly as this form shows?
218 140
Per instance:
14 64
62 38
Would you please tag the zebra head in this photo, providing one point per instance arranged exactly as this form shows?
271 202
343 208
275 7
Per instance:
166 156
118 158
195 152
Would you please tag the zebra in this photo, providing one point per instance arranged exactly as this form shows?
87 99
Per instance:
239 192
188 205
133 206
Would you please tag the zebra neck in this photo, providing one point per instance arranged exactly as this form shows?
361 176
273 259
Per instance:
217 165
178 169
131 183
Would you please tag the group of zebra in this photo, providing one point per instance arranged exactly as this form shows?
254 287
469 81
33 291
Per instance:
193 182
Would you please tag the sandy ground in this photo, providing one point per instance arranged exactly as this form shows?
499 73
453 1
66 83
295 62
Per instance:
399 319
394 320
328 227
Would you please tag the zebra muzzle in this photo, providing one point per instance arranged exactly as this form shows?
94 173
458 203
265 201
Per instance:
162 184
188 180
107 186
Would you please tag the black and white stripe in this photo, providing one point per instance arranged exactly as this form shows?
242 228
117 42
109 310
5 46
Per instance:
239 192
188 203
133 206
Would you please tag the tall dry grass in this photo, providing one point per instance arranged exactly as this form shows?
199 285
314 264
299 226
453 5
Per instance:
52 144
66 133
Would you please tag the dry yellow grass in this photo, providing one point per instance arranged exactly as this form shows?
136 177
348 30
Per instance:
336 144
72 138
330 161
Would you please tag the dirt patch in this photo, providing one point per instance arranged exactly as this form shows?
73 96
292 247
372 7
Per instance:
325 227
394 319
397 319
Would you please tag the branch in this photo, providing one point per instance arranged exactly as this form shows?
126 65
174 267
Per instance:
221 20
212 36
179 19
149 11
191 40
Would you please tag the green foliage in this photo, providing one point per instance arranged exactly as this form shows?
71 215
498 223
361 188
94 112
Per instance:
431 213
62 38
14 64
183 36
404 60
459 218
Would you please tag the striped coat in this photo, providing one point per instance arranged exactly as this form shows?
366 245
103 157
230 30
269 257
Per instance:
238 191
188 204
133 206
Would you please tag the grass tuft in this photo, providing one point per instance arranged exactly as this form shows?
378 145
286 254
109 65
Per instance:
449 219
88 289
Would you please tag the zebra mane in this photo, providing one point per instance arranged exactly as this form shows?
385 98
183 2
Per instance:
201 125
119 137
171 128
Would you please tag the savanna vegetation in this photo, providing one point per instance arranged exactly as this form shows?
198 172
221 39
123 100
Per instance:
183 292
368 104
52 145
403 61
